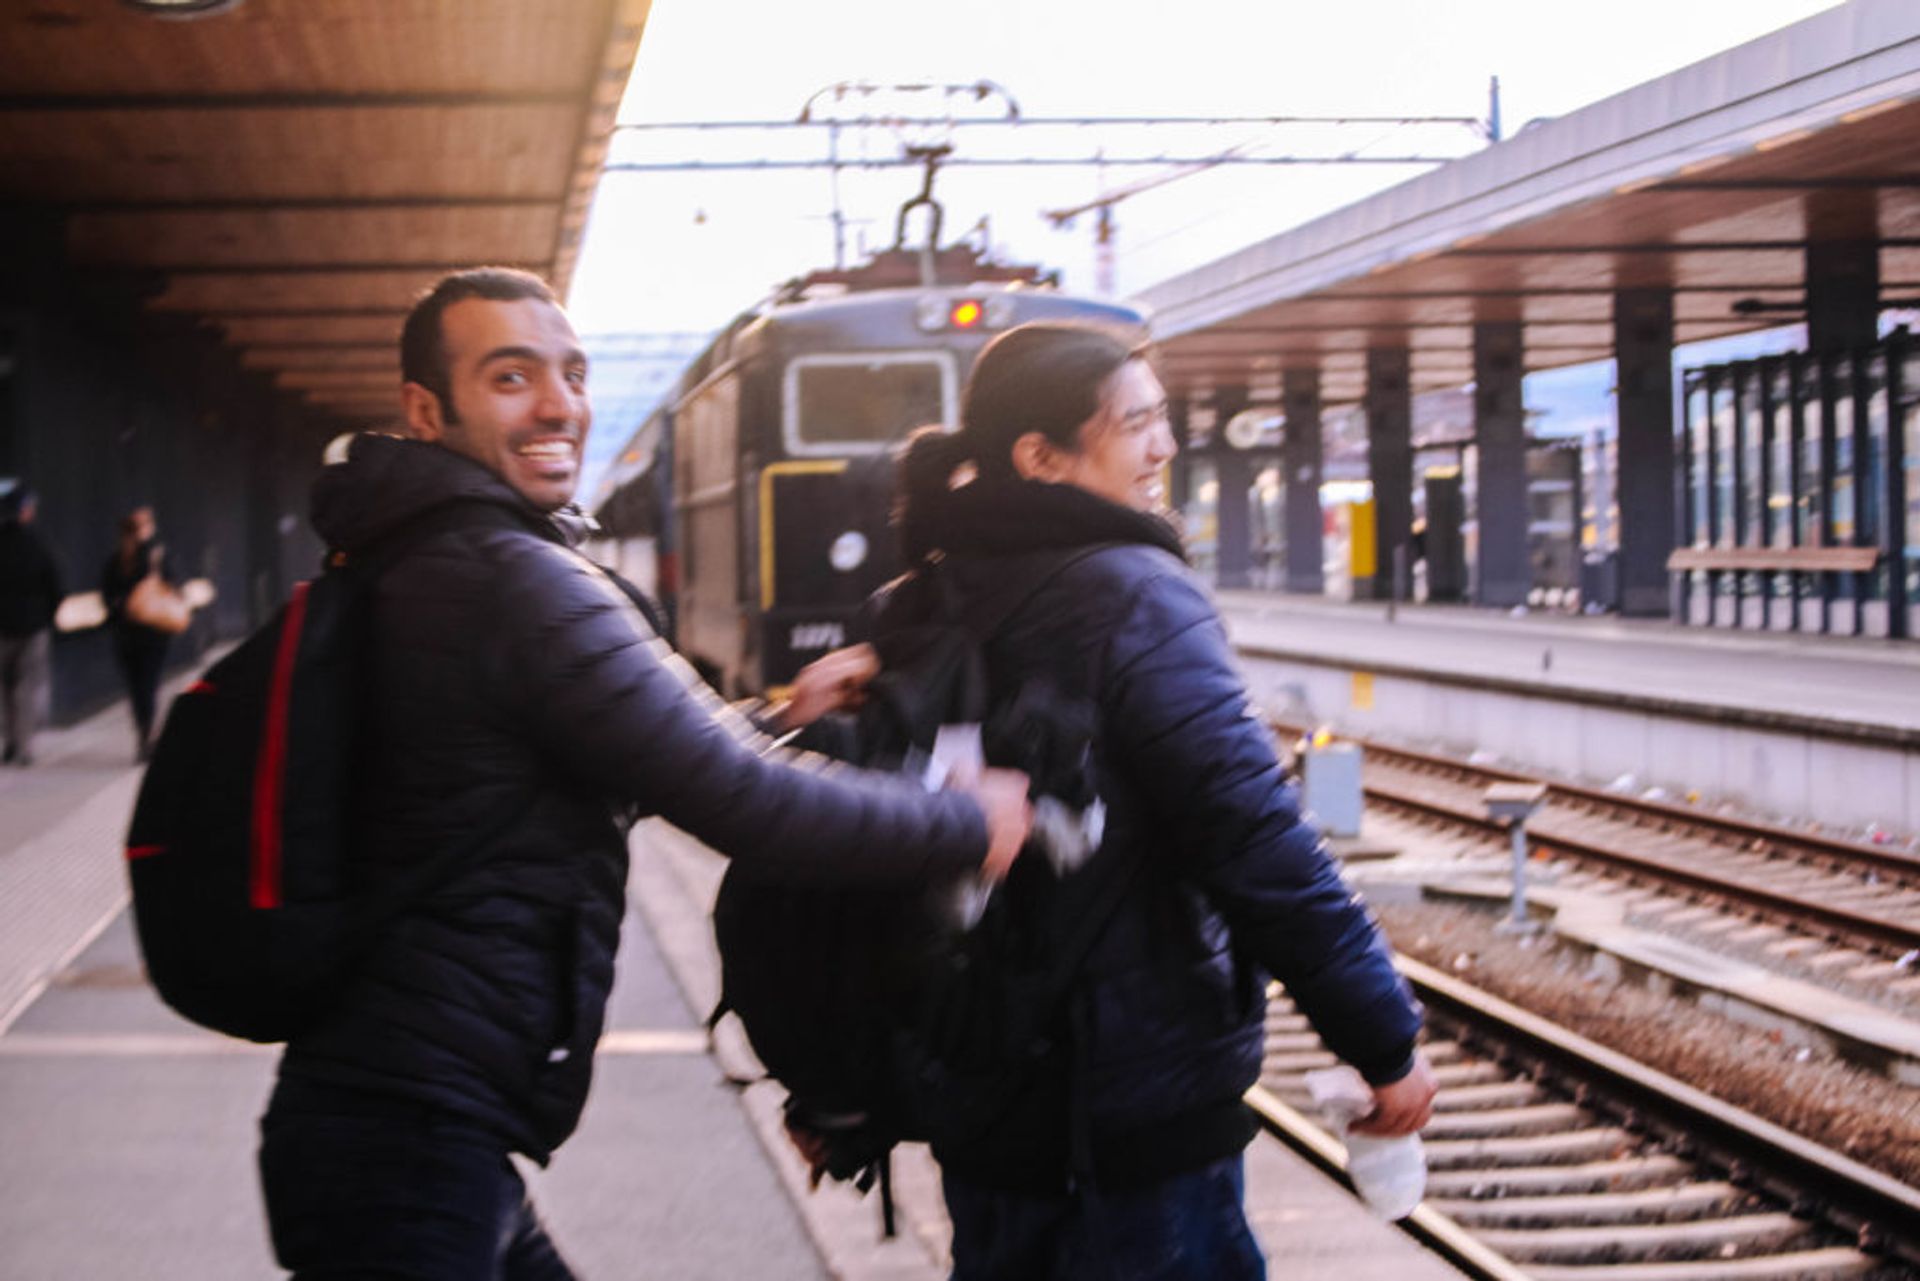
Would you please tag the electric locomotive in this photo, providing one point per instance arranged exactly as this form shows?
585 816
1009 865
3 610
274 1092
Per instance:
764 481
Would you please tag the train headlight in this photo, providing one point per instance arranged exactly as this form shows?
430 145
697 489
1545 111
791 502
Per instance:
849 551
937 312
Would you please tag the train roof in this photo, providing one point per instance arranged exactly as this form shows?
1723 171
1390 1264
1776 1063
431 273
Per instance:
864 307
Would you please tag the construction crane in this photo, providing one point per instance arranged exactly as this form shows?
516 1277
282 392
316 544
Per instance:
1102 208
1102 205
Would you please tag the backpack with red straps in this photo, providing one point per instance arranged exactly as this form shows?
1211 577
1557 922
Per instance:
247 916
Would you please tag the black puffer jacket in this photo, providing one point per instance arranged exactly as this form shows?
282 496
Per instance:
1231 885
521 711
30 587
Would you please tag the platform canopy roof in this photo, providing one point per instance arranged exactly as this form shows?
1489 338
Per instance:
1709 181
296 171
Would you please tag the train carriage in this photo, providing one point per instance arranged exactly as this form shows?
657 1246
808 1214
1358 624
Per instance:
764 482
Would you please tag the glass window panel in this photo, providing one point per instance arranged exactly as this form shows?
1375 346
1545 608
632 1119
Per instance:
1753 499
1874 446
865 401
1721 528
1780 498
1842 499
1697 427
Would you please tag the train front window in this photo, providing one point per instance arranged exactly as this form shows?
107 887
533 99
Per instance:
841 403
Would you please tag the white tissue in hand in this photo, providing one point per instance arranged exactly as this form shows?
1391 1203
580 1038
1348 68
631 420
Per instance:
1389 1174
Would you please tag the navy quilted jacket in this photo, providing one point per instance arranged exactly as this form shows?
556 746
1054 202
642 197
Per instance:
1233 885
521 711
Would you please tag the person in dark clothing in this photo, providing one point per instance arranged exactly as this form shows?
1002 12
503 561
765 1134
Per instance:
140 651
519 708
30 592
1123 1158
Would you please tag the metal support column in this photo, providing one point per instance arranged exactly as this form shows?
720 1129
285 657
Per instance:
1643 355
1389 405
1300 466
1895 466
1504 574
1233 473
1843 294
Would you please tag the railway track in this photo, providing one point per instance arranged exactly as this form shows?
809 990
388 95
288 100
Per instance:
1557 1159
1860 896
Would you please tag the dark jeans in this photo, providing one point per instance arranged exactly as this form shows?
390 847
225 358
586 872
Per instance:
1190 1227
362 1187
23 691
142 654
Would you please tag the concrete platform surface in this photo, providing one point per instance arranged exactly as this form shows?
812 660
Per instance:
130 1134
1846 680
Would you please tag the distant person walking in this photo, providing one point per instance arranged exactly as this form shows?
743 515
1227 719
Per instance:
140 650
30 591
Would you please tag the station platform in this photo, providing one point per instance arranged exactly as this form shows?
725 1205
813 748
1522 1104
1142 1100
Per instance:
1861 687
130 1134
1783 727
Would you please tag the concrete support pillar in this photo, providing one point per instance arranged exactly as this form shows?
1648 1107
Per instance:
1389 403
1233 470
1502 573
1843 294
1647 480
1300 464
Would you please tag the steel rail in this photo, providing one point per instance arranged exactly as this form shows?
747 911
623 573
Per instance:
1837 922
1881 1212
1876 932
1786 840
1428 1226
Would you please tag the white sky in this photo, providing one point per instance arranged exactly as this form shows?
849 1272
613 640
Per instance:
687 251
651 263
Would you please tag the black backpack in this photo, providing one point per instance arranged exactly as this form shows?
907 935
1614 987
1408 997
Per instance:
237 849
885 1020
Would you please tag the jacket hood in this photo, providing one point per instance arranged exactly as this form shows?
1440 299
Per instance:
386 481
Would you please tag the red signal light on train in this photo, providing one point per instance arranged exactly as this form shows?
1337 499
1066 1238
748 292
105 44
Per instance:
966 314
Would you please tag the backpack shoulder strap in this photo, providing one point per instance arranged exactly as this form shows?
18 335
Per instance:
647 608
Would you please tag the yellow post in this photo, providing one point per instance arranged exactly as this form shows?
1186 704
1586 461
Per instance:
1362 552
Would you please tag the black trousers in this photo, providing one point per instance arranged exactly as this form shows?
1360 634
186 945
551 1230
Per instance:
358 1186
142 655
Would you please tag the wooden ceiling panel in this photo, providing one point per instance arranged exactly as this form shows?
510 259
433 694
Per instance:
308 237
1718 231
314 330
370 381
255 293
296 172
288 153
380 356
75 47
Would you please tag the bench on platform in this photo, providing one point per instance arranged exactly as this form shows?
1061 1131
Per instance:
1795 560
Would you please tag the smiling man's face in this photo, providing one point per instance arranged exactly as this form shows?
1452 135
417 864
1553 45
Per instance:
516 395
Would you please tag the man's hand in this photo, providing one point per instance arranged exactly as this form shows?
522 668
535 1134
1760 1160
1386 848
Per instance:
1401 1107
831 683
1002 795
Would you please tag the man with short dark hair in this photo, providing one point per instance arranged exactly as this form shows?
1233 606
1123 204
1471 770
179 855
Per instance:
30 592
521 710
